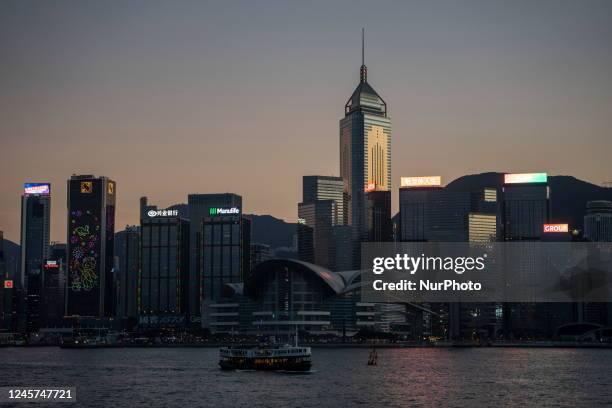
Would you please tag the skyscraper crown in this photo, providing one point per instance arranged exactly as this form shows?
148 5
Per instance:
365 98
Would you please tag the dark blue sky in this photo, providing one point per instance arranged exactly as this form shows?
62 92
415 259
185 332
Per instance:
170 98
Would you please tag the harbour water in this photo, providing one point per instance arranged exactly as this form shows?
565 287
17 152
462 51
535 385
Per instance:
164 377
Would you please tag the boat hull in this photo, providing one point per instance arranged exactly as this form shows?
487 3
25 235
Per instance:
265 365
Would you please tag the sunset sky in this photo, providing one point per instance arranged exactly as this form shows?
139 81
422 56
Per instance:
170 98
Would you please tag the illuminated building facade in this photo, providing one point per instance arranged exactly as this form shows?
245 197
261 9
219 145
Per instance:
365 151
91 230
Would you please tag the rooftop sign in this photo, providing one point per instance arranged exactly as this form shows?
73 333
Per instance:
522 178
421 181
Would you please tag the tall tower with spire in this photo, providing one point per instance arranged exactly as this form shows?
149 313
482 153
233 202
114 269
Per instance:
365 150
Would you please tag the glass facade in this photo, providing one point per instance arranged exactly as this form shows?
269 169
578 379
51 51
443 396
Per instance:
434 214
199 206
526 209
365 156
164 266
127 252
35 230
225 253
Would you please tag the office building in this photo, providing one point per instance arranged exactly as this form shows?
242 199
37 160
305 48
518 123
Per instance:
319 214
365 151
199 206
164 264
225 249
318 188
35 228
7 293
127 265
525 206
91 232
428 212
598 221
378 216
52 292
315 221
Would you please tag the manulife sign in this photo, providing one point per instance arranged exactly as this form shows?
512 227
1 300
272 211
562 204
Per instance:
521 178
223 211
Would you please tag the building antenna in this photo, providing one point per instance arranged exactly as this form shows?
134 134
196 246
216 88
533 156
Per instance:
363 72
363 46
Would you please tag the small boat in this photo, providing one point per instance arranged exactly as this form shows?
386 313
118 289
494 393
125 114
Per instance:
284 358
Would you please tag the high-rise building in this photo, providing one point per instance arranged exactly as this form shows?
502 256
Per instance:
6 291
35 229
164 264
429 212
52 292
321 210
525 206
199 207
127 255
378 216
91 231
317 188
598 221
365 151
225 250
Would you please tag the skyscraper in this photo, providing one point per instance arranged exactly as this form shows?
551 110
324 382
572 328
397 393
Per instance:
525 206
598 221
164 264
199 207
225 250
321 209
127 254
35 227
91 230
365 150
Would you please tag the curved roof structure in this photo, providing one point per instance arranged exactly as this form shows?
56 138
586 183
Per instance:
332 280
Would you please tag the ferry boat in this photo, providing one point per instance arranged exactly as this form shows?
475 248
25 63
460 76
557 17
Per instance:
284 358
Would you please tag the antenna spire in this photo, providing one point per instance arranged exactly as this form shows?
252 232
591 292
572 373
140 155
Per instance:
363 72
363 46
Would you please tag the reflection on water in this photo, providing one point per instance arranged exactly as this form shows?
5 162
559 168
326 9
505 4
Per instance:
403 377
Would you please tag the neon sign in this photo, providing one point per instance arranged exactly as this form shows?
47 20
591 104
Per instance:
37 189
421 181
556 228
162 213
522 178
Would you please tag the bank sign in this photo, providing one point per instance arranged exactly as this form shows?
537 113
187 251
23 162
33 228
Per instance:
223 211
162 213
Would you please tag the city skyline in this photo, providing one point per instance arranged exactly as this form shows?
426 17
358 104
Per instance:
164 112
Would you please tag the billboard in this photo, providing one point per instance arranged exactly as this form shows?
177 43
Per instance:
37 189
556 228
523 178
421 181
